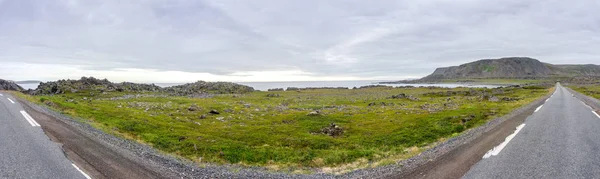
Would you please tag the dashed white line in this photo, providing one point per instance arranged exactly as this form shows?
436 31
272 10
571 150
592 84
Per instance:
1 95
496 150
11 100
84 174
536 110
596 114
29 119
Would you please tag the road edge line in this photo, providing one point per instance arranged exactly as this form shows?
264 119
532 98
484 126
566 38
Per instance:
27 119
496 150
537 109
81 171
596 114
32 120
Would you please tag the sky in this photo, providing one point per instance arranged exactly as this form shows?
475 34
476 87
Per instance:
284 40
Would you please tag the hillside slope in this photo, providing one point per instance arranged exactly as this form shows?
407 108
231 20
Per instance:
513 67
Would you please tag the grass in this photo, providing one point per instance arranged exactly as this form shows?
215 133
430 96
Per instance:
276 132
589 90
498 81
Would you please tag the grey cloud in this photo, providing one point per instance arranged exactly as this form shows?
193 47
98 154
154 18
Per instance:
330 38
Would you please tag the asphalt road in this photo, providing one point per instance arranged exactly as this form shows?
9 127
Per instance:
560 140
25 151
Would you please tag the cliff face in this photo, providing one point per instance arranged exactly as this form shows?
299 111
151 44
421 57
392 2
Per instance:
514 67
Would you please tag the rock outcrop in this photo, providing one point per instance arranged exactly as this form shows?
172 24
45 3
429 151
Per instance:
93 85
9 85
90 84
202 87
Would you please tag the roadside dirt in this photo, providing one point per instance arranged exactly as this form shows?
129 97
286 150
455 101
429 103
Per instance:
91 155
458 162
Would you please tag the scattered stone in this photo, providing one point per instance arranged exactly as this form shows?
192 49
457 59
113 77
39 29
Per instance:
203 116
50 103
181 138
314 113
468 118
332 130
273 95
214 112
404 96
193 107
510 99
228 110
399 96
494 99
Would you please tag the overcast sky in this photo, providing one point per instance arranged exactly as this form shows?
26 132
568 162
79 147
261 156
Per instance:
284 40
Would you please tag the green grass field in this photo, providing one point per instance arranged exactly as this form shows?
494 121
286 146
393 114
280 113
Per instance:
274 129
589 90
498 81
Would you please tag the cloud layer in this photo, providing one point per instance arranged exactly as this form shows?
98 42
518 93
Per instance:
289 40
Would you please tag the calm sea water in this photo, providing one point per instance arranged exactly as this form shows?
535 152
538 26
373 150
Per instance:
263 86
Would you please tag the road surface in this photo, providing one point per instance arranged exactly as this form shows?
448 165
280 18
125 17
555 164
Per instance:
560 140
25 151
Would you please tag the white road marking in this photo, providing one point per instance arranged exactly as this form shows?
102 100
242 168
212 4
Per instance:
547 99
496 150
29 119
596 114
536 110
11 100
1 95
84 174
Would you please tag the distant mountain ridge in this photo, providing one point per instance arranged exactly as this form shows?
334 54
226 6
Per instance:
511 67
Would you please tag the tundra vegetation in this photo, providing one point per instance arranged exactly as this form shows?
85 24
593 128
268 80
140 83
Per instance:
319 130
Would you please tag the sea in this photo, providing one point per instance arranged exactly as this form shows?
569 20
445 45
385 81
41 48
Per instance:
264 86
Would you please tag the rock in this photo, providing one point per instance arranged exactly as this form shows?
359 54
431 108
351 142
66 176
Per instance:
50 103
399 96
412 98
214 112
404 96
468 118
181 138
10 85
247 105
193 107
494 99
510 99
273 95
314 113
203 116
333 130
228 110
221 119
